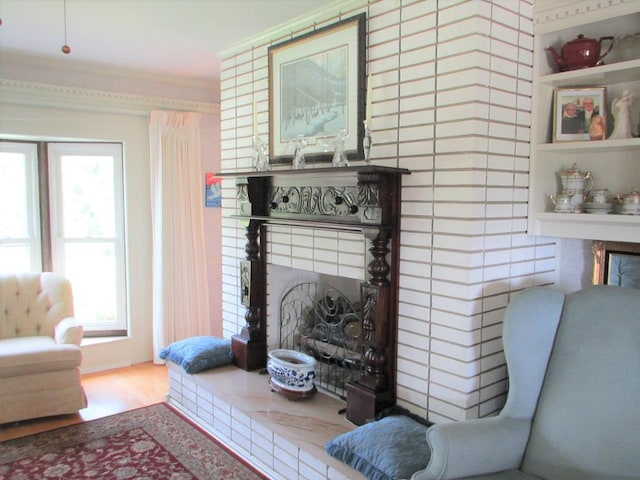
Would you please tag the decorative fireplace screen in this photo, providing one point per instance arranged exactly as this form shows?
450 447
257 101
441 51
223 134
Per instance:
317 319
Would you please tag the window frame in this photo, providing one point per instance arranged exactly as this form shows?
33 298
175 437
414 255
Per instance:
45 200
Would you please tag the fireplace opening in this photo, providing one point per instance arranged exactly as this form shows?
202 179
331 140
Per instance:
321 321
319 315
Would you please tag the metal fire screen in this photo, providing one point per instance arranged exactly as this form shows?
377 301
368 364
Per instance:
317 319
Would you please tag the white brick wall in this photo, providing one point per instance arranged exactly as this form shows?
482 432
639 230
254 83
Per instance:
451 102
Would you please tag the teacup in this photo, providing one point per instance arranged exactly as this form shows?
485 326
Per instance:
563 203
600 195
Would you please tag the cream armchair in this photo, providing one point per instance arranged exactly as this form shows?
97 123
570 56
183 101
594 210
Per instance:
573 407
40 352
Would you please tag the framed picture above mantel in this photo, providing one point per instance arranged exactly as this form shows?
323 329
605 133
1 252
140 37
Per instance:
317 92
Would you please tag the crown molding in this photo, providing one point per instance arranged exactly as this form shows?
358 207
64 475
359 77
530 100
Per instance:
552 15
333 9
58 96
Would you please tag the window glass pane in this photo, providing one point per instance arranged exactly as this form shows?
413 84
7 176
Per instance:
15 258
87 230
91 268
19 210
87 196
14 196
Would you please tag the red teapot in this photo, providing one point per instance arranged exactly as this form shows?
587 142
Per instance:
580 53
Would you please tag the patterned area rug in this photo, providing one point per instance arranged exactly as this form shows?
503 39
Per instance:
149 443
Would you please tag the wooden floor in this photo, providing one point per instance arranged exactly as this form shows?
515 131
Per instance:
109 392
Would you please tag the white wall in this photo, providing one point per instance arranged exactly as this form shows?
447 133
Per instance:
53 112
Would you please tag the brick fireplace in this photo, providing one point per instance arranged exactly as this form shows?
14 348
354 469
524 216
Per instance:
451 88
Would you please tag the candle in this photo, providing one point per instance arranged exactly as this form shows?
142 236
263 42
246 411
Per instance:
368 117
255 118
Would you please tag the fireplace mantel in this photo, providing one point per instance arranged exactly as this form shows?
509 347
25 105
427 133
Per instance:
363 199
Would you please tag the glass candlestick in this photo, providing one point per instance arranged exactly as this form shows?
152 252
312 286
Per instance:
366 143
339 155
260 157
298 155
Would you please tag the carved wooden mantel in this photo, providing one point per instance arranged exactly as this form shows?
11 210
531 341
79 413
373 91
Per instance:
362 199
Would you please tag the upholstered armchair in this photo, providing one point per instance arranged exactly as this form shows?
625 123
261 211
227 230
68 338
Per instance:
40 352
573 407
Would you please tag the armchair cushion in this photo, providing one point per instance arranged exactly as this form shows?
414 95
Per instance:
28 355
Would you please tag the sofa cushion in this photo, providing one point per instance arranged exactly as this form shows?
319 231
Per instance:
28 355
199 353
392 448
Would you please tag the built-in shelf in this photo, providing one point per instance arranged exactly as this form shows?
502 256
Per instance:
629 144
620 72
589 226
614 164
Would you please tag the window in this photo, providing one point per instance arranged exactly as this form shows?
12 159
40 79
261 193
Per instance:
79 186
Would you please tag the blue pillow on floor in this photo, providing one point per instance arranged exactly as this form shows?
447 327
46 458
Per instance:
196 354
392 448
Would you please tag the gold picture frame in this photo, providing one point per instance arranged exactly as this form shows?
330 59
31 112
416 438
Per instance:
616 263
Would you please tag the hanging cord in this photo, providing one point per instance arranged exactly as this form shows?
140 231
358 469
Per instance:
66 49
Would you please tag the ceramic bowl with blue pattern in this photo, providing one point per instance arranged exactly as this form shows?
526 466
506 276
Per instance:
291 370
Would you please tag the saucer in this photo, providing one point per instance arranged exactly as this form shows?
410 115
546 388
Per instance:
598 208
562 209
630 210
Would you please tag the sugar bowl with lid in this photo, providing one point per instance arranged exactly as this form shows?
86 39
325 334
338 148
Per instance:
629 204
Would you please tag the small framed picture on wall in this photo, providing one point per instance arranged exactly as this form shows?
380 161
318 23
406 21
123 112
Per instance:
212 191
579 114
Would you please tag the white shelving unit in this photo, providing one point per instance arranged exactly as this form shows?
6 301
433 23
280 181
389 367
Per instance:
614 164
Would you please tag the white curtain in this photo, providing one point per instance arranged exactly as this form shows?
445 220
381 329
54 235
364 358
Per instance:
180 288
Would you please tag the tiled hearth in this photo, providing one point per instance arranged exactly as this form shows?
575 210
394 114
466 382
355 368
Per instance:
282 438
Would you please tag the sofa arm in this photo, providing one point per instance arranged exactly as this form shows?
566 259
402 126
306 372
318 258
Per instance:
68 330
475 447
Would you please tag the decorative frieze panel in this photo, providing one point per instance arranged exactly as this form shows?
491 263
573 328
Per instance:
354 195
315 201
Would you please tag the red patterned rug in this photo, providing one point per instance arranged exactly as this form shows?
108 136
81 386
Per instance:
149 443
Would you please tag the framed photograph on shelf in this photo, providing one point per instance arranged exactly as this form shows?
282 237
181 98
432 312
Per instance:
316 89
577 111
616 263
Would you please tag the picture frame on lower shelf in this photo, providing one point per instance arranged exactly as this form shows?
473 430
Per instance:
574 110
616 263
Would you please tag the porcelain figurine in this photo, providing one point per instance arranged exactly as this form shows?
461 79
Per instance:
596 127
621 108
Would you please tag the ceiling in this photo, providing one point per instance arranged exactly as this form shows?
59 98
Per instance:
173 37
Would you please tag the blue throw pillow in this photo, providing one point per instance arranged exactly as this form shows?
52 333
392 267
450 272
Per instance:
199 353
388 449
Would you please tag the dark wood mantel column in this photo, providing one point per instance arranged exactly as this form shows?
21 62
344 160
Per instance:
375 390
250 345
